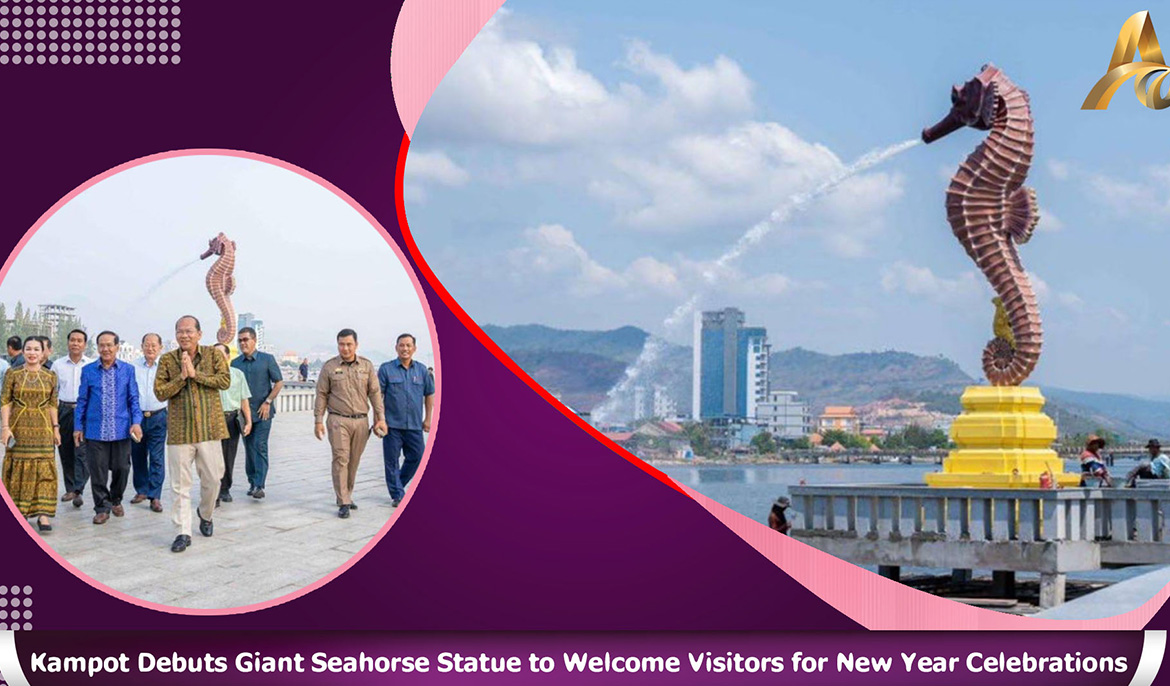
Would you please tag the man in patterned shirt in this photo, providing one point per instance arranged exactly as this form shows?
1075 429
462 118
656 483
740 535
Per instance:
190 380
106 417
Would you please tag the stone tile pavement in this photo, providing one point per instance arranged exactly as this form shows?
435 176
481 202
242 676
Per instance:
262 549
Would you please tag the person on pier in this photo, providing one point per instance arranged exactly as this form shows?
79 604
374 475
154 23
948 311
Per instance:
1157 467
1092 464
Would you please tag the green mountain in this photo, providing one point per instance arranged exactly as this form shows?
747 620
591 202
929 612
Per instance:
581 366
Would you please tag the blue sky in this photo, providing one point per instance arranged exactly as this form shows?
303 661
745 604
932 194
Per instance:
582 165
107 250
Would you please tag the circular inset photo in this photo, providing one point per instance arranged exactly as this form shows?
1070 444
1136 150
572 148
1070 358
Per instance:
219 384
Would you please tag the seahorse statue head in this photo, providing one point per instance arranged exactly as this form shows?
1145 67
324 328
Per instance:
217 246
973 104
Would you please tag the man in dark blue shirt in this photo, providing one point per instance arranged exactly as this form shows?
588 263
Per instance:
107 416
264 382
407 390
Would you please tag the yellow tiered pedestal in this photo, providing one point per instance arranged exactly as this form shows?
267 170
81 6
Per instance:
1004 441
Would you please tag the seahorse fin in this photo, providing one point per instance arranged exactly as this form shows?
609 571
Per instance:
1023 214
1001 326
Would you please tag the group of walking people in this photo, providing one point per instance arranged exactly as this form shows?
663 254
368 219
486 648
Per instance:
185 412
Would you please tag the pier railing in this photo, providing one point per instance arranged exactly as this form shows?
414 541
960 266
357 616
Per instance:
1047 531
954 514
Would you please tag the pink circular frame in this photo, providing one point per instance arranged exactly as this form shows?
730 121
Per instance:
430 326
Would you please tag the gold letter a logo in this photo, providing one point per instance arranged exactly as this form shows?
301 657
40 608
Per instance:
1137 35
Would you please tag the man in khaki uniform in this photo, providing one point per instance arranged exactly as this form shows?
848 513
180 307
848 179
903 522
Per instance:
348 389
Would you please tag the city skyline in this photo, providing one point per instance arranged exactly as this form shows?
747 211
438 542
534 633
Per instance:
125 253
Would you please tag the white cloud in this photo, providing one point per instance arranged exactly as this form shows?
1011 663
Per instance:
921 281
736 177
514 90
551 250
1147 198
1045 294
1059 170
428 168
434 166
1049 222
719 87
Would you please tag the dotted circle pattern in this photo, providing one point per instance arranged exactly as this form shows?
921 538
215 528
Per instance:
114 31
11 614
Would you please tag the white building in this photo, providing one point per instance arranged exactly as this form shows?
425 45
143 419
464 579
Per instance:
783 416
640 403
52 316
665 406
128 352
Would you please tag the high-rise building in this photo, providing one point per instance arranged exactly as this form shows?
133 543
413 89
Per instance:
639 403
730 366
249 319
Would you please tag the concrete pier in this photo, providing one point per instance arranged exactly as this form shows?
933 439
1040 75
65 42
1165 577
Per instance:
1052 532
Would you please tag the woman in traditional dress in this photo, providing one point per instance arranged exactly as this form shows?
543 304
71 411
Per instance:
28 427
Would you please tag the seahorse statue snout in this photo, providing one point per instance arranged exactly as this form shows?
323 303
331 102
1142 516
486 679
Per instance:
221 284
990 211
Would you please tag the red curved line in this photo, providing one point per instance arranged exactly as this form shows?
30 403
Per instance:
489 343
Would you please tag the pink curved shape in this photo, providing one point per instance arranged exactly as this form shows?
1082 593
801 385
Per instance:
430 328
878 603
429 37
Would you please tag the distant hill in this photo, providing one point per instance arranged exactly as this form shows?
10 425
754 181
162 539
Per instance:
859 378
622 344
581 366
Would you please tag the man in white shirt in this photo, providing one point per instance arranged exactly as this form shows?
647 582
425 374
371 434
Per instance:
74 468
149 454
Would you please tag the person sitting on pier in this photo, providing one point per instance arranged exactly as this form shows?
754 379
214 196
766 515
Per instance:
1157 467
1092 464
776 518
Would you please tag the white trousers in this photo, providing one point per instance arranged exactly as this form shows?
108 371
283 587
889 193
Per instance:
207 458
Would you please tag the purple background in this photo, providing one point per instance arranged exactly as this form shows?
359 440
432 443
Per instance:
522 520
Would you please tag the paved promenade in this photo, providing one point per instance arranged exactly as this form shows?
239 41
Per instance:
262 549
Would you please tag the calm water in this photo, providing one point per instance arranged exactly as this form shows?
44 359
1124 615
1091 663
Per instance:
750 490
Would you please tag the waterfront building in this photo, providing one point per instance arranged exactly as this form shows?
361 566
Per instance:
730 366
839 418
784 416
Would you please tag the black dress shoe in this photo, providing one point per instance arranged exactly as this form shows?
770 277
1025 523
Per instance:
251 490
77 501
225 496
396 502
258 493
205 526
343 512
180 544
353 506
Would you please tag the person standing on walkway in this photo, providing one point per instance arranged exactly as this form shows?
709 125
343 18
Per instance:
304 370
15 346
348 389
408 391
237 414
74 467
107 416
149 454
264 384
190 380
29 429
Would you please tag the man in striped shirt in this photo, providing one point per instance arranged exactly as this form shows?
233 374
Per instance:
190 380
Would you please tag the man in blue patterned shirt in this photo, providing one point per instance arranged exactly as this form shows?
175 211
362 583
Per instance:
407 390
107 416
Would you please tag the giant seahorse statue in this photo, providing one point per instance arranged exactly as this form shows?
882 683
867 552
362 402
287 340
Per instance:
990 210
221 284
